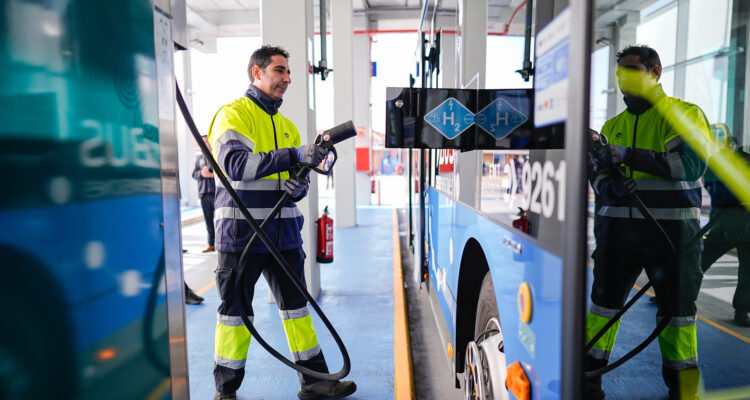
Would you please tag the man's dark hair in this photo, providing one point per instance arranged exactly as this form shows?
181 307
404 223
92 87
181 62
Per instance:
646 55
262 57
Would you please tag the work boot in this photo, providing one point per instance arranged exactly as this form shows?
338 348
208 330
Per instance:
741 318
208 249
592 389
682 384
225 396
191 297
327 390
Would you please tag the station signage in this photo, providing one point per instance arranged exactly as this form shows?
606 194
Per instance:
464 119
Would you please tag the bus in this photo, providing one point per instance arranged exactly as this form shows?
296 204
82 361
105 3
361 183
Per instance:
503 220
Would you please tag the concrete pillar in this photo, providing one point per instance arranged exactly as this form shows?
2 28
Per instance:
362 112
187 150
470 53
447 60
343 109
683 8
289 24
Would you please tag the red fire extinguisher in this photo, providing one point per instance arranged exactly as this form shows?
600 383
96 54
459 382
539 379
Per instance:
522 222
324 253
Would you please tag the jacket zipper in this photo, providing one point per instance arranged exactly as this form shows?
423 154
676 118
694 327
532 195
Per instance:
630 169
278 186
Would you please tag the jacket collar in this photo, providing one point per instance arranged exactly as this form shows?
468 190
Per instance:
639 105
268 104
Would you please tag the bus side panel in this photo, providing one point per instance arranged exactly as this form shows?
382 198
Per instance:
536 344
439 220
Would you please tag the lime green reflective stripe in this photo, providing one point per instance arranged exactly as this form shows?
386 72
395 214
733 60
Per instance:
594 323
300 334
679 343
232 342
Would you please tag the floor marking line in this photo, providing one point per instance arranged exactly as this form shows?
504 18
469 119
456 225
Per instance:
403 381
205 289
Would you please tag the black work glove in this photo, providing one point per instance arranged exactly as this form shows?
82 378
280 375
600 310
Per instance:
623 187
297 188
612 154
310 154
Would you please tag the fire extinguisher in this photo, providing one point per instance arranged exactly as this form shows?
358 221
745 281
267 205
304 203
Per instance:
522 222
324 253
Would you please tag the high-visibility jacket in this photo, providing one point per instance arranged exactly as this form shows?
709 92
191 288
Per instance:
252 143
667 171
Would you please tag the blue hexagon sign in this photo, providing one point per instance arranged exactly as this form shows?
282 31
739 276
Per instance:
499 118
450 118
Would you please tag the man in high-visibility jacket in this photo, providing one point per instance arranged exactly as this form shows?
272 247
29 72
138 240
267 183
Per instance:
256 147
666 174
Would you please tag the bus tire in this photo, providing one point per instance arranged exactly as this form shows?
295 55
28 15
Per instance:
486 305
37 358
485 371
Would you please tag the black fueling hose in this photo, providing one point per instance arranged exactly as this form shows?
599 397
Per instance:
598 139
327 139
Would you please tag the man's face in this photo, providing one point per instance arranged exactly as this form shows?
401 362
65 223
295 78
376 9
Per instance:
274 79
637 78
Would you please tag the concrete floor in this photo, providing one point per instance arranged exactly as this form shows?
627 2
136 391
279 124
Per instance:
357 296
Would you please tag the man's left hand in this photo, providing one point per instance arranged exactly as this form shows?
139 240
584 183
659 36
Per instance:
297 188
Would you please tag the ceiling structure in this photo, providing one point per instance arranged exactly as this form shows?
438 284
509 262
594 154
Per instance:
208 19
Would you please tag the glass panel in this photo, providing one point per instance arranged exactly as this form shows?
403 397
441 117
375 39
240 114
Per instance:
502 188
599 87
660 31
708 87
667 81
670 215
501 70
708 26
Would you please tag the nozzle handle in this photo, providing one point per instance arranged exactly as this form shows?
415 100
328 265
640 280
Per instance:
337 134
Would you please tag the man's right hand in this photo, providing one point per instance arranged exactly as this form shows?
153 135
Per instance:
623 187
310 154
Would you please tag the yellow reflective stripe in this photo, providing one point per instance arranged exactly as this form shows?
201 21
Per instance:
594 324
679 343
232 342
300 334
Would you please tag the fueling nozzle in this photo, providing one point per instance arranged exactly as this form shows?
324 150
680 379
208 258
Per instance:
332 136
337 134
597 139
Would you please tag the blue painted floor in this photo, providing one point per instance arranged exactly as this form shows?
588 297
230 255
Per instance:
357 296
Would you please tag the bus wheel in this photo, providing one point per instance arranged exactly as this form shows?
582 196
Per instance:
484 376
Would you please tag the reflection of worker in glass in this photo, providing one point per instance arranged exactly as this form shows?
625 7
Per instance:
730 223
665 174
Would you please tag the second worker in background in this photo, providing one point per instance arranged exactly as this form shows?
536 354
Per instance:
207 192
256 147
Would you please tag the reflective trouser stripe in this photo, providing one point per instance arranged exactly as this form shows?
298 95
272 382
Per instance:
603 347
679 346
231 346
300 335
